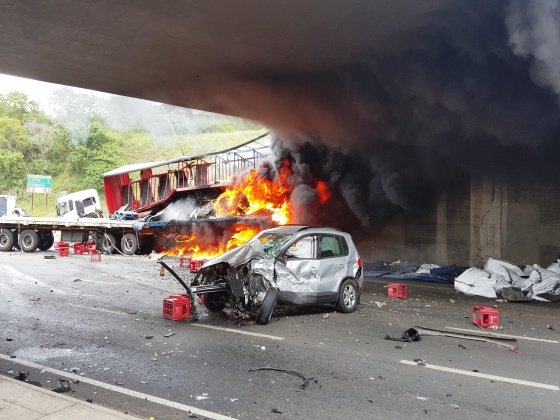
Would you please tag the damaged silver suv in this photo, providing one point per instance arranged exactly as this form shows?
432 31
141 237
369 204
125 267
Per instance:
291 265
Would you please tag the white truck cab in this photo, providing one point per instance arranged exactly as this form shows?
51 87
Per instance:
79 204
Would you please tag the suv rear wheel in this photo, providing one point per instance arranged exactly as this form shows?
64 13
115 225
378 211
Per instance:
348 296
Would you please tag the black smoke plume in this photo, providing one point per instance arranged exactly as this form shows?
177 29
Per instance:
472 92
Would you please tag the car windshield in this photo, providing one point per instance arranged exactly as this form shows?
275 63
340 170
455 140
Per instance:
272 242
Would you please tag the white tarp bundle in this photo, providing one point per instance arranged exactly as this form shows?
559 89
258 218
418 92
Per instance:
476 282
534 282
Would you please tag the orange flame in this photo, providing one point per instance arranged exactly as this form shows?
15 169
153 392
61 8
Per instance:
255 194
252 195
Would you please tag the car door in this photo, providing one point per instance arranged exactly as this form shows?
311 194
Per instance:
333 254
301 272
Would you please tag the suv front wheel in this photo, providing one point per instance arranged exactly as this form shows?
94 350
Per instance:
348 296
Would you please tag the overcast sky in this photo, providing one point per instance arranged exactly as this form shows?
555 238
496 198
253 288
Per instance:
40 92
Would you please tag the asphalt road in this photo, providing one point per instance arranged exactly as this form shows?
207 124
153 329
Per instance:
96 319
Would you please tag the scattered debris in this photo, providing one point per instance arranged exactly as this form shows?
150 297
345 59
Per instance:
49 257
550 327
510 343
62 386
169 334
291 372
76 280
275 411
89 400
380 305
9 339
455 406
419 362
263 348
407 336
21 376
452 300
131 312
514 283
418 397
326 316
149 337
35 299
398 347
204 396
462 346
191 415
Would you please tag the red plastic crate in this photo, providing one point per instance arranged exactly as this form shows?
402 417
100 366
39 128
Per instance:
94 256
177 308
63 251
397 291
184 262
195 265
79 248
484 316
91 248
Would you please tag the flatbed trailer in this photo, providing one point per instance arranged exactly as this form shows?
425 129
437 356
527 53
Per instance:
32 233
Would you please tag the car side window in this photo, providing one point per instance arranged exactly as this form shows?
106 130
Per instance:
303 248
332 246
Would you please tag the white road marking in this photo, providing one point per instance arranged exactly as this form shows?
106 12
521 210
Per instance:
121 390
231 330
28 278
484 376
490 334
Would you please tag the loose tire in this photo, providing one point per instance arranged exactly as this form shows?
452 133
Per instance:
46 240
28 240
6 240
107 243
215 302
129 244
348 296
269 302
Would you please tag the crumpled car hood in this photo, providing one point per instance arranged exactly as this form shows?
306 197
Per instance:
239 255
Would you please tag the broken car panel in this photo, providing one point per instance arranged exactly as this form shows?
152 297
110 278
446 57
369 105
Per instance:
306 265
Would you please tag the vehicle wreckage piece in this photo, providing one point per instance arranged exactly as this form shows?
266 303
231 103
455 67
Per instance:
290 372
510 343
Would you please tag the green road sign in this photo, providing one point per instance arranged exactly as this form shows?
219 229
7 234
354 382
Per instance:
41 184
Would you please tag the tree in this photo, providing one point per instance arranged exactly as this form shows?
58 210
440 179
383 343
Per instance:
17 105
13 136
75 110
12 170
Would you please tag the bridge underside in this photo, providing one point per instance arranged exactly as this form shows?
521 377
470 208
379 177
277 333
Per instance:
186 52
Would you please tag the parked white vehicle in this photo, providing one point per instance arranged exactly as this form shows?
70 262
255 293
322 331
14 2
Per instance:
8 207
79 204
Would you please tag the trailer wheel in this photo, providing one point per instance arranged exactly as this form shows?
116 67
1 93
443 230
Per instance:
28 240
107 244
6 240
267 306
129 244
46 240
